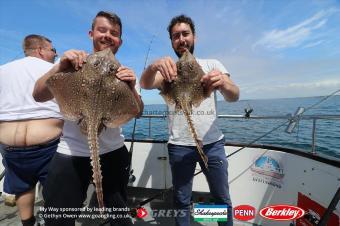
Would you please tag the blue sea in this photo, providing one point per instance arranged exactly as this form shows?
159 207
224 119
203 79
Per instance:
247 130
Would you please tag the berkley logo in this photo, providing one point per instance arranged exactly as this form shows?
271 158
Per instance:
244 212
282 212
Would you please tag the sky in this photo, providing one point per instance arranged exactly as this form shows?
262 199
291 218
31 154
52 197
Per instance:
272 48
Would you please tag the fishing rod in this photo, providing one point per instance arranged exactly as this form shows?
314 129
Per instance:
292 119
131 177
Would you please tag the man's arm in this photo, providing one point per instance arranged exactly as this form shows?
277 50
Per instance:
41 93
155 73
71 58
229 90
218 80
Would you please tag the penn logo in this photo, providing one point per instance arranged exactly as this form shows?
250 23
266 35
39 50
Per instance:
282 212
244 212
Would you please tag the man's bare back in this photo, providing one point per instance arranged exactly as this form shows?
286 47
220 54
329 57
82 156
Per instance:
29 132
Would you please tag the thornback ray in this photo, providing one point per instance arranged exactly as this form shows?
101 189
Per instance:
185 92
96 98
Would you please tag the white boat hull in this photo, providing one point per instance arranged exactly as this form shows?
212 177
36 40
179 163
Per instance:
257 177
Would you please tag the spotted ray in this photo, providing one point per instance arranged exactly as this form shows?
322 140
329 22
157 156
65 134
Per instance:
96 98
187 91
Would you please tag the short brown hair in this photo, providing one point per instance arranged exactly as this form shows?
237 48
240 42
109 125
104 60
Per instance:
112 17
34 41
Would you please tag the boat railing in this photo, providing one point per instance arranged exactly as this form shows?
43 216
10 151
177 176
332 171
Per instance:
290 117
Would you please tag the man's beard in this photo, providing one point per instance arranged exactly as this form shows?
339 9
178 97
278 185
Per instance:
191 50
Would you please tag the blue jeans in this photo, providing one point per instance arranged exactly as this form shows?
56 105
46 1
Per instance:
183 161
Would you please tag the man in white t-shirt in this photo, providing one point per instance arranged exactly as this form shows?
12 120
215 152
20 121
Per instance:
29 131
181 146
71 171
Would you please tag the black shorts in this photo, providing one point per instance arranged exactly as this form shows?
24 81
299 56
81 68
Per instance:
70 176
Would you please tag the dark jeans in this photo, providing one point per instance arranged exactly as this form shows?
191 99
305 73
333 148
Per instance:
183 161
70 176
25 166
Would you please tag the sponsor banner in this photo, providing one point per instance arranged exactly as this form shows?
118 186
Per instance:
210 213
244 212
281 212
314 212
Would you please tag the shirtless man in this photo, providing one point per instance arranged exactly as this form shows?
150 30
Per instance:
29 131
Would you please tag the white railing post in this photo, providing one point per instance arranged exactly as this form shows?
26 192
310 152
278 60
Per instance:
314 137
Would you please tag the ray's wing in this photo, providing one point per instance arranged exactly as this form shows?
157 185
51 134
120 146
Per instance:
196 89
167 92
67 90
198 94
119 105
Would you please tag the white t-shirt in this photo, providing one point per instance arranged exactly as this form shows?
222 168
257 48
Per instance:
204 117
74 143
17 80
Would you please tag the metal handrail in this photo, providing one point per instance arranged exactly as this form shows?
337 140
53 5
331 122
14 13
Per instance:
286 117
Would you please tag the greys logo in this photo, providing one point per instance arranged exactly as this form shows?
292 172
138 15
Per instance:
168 213
157 213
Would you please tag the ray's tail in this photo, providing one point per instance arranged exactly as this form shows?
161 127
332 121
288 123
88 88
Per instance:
199 144
97 173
